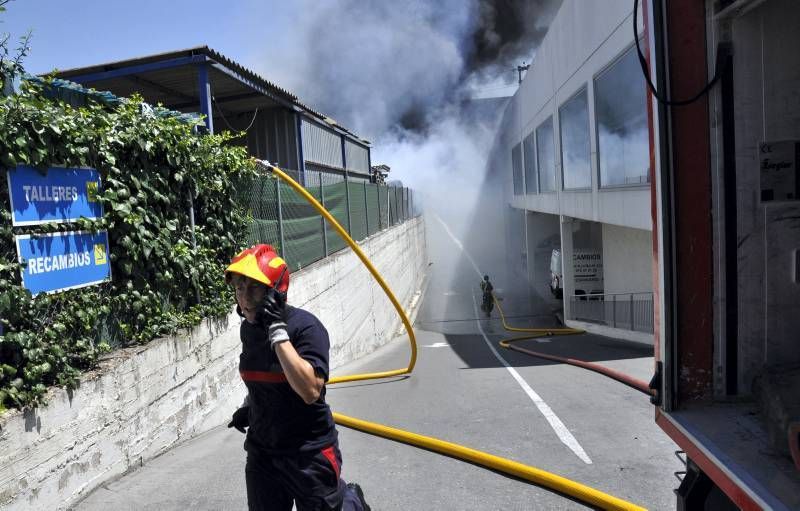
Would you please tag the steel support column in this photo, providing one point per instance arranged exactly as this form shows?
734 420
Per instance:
204 89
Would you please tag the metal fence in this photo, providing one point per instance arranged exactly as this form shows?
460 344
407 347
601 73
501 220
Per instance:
629 311
281 217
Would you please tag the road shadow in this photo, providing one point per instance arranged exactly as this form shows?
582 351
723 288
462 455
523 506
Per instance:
472 350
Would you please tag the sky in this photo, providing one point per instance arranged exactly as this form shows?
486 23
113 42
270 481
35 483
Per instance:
393 71
71 33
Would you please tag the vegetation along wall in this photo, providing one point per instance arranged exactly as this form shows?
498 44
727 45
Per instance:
166 273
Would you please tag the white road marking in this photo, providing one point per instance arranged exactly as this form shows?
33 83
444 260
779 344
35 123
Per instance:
436 345
561 430
458 243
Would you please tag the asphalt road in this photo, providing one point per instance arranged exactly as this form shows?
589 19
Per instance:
569 421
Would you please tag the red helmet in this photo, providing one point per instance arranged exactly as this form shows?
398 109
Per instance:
261 263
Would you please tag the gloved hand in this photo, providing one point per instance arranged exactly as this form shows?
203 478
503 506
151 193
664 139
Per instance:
241 419
273 316
273 307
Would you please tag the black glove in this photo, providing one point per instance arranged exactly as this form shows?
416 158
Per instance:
274 317
273 308
241 419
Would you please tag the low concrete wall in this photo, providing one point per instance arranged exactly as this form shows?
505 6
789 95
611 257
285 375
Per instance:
137 404
143 401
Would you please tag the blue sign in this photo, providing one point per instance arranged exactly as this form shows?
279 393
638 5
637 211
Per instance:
58 195
63 260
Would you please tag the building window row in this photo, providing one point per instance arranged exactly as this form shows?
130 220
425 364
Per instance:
620 111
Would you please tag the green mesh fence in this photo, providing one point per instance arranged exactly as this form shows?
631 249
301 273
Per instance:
281 217
398 198
358 210
259 196
302 225
383 205
391 214
335 201
373 214
390 205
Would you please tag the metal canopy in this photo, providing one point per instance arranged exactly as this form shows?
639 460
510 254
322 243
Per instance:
173 80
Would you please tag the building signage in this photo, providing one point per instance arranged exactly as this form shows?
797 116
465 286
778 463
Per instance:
588 268
64 260
780 170
56 195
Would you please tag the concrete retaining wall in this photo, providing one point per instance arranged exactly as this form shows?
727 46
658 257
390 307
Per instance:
143 401
350 303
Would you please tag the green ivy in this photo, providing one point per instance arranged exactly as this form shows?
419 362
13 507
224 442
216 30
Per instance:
164 278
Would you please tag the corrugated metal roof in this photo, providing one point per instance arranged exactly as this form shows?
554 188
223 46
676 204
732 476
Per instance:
174 82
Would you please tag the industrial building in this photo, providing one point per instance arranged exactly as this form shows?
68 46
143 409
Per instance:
280 128
687 193
573 147
327 158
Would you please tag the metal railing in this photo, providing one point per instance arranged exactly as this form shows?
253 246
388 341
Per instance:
629 311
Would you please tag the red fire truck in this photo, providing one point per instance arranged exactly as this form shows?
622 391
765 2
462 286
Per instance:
724 117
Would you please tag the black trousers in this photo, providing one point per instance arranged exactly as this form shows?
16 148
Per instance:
310 480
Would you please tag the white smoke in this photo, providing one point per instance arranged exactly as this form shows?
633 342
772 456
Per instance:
368 64
402 74
385 66
448 160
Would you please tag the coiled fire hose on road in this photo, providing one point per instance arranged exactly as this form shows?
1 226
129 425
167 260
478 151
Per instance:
640 385
537 476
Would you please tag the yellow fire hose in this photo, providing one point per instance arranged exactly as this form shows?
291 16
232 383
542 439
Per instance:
560 484
640 385
534 332
545 479
406 323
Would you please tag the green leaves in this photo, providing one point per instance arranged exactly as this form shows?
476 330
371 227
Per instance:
148 168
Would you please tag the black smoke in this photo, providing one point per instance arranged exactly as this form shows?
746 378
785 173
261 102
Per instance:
383 67
508 31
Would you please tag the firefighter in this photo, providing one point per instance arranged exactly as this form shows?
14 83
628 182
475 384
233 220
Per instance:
488 303
291 441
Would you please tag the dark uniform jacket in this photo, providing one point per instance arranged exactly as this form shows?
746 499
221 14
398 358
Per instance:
280 422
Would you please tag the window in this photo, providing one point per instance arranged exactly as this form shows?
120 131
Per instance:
546 156
529 159
621 112
573 117
516 165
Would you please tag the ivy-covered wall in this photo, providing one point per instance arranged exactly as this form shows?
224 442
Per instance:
151 168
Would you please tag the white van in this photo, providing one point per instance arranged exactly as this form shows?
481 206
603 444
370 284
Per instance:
587 271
